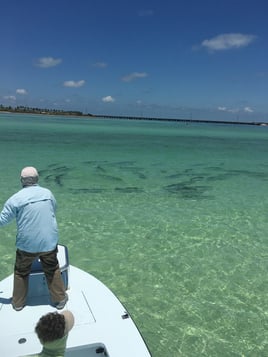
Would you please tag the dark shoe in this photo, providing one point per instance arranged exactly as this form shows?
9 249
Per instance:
17 308
60 305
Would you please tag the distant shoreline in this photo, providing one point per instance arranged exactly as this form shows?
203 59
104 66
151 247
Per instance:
50 112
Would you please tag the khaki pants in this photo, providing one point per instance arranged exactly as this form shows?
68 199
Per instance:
51 270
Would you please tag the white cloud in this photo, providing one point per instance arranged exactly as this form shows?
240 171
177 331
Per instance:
228 41
222 109
229 110
100 64
21 91
235 110
108 99
73 84
130 77
46 62
10 97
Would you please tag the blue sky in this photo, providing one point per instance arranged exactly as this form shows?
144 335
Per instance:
199 59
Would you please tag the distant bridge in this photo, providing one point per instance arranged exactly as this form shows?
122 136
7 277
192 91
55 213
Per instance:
182 120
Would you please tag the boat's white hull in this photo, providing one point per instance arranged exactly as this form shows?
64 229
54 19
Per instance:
102 325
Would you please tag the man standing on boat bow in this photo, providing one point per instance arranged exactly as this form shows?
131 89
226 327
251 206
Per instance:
34 208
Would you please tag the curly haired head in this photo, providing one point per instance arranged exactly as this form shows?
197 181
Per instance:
50 327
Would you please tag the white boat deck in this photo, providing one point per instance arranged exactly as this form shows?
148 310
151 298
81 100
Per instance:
102 325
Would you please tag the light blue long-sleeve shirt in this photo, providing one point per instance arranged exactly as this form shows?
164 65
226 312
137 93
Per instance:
34 209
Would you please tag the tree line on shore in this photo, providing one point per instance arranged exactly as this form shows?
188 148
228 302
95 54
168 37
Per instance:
31 110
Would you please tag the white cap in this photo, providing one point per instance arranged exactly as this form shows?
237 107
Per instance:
69 320
29 171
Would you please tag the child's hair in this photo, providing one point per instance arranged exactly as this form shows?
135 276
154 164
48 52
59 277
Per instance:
50 327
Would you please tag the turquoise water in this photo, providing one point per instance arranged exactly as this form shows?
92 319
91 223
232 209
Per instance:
172 217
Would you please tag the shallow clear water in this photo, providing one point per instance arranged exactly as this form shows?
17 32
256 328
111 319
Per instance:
172 217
